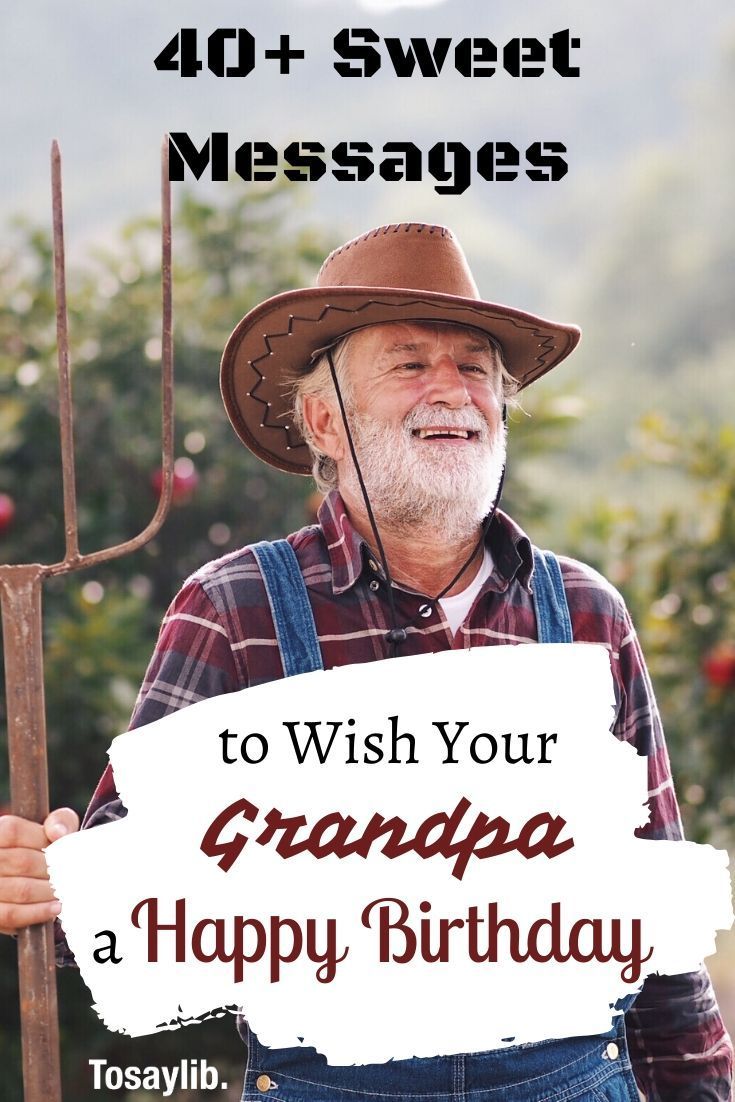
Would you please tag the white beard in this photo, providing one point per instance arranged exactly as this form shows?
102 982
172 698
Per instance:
412 483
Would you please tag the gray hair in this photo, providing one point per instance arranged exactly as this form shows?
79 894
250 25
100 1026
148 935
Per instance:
318 384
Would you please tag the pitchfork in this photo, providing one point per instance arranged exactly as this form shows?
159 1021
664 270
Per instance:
20 595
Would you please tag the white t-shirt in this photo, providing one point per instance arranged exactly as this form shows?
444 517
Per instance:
456 608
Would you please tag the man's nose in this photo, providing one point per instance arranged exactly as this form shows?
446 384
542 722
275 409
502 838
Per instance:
447 385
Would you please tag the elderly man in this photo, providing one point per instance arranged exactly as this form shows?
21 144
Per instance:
390 379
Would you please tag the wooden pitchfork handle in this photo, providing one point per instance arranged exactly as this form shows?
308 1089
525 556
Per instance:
22 644
20 595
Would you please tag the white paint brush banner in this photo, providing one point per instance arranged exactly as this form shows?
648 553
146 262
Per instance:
342 853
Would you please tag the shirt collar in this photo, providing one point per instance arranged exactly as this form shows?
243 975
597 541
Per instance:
349 554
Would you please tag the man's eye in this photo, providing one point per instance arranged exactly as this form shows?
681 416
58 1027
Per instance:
412 365
477 368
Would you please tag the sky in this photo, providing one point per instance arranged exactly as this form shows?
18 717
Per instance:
86 76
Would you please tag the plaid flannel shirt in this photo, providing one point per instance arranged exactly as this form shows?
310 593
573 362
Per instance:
218 637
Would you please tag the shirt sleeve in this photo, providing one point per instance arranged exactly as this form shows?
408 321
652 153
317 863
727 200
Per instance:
679 1047
192 661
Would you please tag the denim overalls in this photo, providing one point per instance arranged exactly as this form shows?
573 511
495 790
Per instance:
583 1069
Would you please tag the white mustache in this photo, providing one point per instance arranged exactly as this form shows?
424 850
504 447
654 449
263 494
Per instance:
467 417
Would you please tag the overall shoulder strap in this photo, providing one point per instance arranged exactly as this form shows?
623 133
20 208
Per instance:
553 622
293 619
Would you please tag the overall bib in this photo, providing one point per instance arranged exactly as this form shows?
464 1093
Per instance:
578 1069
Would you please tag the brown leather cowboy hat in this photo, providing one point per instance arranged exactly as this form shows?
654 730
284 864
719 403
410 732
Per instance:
404 272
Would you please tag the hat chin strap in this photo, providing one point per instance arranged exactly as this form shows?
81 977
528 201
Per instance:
397 635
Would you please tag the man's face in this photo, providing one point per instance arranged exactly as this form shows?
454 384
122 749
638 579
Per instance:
396 367
424 405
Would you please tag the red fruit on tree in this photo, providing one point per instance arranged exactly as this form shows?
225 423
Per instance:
7 512
718 665
186 480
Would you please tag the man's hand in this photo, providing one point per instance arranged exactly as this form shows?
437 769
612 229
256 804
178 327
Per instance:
26 897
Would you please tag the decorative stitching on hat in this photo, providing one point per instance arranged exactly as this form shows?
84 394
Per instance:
393 227
547 346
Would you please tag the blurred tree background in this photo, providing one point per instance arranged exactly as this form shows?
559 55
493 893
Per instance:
675 565
100 625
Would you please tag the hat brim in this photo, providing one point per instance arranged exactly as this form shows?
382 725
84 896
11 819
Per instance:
274 344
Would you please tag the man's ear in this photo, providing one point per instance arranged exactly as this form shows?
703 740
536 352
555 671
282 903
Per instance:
324 422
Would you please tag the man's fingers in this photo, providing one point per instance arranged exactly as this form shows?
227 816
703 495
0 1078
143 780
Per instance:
61 822
23 862
15 916
21 833
22 889
26 897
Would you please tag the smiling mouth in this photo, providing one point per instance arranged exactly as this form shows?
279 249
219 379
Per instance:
445 434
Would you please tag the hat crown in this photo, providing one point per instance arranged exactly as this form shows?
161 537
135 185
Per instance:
403 256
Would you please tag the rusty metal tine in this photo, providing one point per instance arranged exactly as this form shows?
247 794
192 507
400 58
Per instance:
62 343
167 404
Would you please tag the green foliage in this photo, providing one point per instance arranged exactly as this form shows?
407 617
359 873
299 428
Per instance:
538 426
687 619
100 624
676 568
